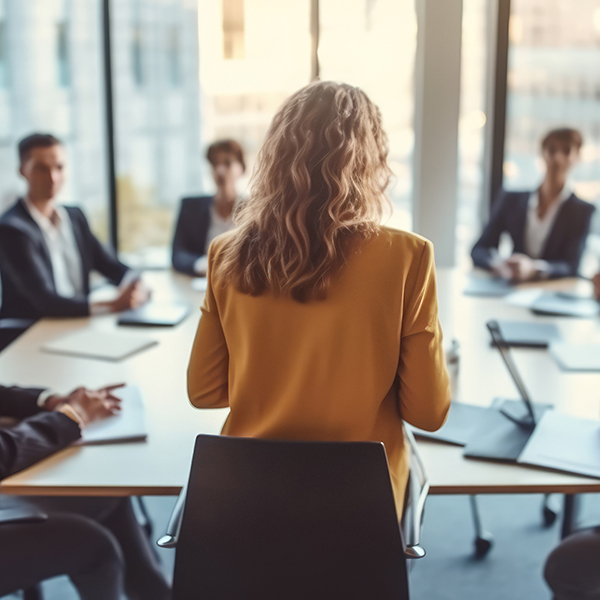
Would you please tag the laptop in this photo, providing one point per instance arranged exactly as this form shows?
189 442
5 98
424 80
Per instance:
506 429
155 315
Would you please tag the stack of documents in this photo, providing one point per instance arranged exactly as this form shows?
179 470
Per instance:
98 344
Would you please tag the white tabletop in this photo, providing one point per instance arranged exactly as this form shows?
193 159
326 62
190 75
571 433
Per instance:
160 465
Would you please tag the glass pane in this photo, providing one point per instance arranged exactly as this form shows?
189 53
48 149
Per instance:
157 120
53 83
253 55
372 44
476 31
554 81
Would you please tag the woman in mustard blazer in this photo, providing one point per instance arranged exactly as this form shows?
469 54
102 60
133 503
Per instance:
318 323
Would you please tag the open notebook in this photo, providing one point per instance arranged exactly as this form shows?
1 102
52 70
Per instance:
564 443
99 344
128 426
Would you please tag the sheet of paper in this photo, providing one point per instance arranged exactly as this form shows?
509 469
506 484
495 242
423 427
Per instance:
128 426
487 286
564 443
199 284
566 305
576 357
98 344
528 333
524 298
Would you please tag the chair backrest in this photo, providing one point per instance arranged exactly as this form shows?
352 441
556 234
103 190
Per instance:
283 519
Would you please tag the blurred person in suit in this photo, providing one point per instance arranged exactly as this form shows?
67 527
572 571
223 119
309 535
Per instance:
548 226
47 251
97 542
203 218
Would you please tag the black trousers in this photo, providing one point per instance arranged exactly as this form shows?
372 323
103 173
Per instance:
97 542
573 568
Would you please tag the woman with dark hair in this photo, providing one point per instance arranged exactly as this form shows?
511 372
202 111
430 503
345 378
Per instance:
548 226
319 323
203 218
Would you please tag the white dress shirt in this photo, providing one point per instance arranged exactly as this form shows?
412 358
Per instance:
63 249
536 229
218 225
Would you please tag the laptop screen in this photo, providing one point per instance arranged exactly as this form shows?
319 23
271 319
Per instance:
499 342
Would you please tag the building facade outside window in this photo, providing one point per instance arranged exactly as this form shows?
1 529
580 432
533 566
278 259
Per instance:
157 121
45 55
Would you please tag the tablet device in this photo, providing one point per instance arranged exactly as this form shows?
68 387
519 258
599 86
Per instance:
155 315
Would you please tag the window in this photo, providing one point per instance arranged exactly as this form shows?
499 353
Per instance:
4 66
476 31
241 96
174 56
62 53
38 101
553 81
373 46
156 120
233 29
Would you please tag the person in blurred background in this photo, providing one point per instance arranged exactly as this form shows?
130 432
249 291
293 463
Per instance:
548 226
97 542
203 218
47 251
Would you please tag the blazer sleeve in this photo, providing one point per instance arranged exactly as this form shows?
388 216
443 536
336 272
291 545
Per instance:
184 254
483 251
33 439
424 391
102 260
21 266
207 375
569 266
19 402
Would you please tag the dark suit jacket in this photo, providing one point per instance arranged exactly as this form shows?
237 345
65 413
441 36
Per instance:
189 242
38 435
28 289
564 244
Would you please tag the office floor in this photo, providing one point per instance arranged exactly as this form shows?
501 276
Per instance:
511 570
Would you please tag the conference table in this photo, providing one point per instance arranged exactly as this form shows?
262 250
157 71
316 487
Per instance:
160 465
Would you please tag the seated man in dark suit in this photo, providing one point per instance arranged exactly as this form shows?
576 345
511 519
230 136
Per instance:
97 542
47 251
548 226
203 218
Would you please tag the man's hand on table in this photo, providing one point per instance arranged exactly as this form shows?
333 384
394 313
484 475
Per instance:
86 406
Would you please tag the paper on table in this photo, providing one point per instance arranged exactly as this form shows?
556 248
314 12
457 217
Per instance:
565 305
98 344
199 284
529 334
487 286
564 443
576 357
127 426
524 298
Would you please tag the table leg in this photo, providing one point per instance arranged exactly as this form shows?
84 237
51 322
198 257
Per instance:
569 518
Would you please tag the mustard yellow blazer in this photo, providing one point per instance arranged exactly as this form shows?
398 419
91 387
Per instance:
348 368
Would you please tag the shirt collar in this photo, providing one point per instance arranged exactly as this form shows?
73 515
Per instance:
46 224
563 196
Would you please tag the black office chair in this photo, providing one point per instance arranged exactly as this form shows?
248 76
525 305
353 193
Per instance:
283 519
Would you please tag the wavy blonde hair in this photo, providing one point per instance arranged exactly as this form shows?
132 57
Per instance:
318 188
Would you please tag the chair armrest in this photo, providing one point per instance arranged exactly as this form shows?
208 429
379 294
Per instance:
416 494
20 324
169 540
